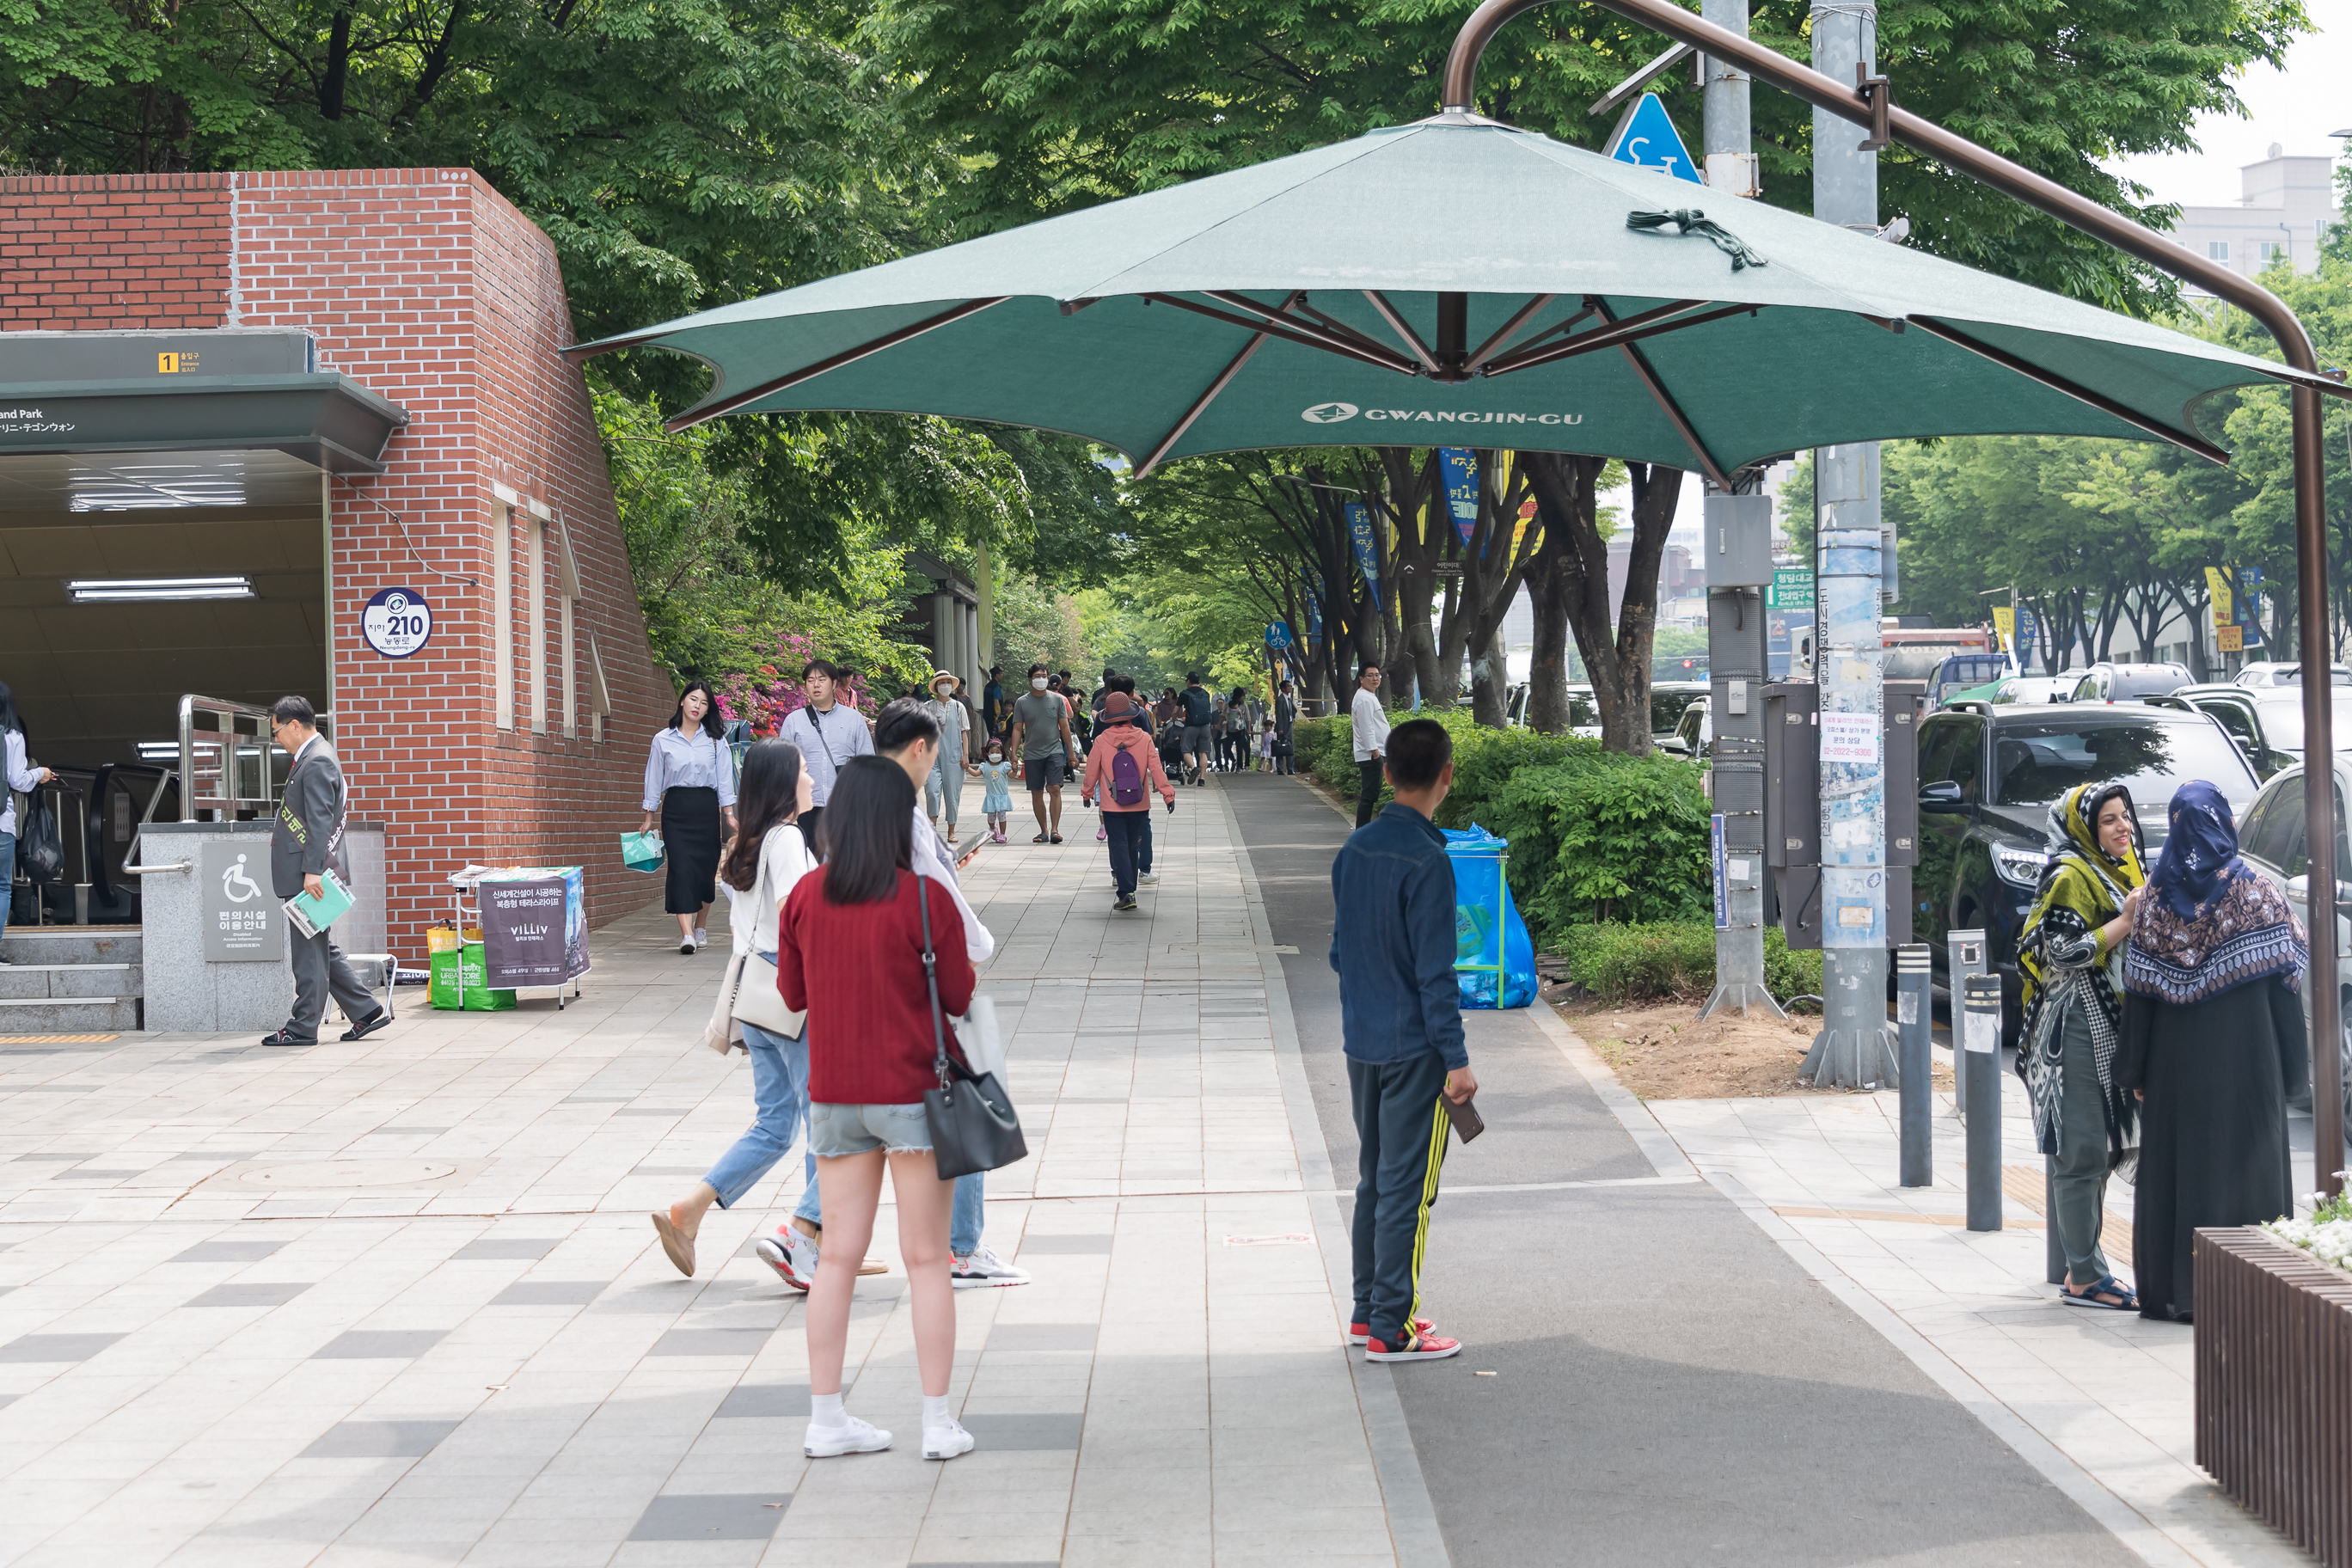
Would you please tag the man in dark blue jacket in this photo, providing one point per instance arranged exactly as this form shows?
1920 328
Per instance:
1401 1024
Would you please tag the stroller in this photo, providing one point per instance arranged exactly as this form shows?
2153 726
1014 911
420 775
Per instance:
1172 746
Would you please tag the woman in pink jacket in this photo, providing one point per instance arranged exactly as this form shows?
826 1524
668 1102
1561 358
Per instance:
1122 770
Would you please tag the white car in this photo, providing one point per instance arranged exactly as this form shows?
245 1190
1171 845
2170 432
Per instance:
2260 675
2270 839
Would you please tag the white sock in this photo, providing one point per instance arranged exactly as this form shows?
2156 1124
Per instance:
824 1410
935 1412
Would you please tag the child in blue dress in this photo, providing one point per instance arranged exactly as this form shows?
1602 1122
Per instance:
997 804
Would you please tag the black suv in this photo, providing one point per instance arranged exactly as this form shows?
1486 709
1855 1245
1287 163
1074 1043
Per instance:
1987 778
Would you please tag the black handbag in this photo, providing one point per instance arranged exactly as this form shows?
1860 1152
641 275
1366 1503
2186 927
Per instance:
973 1125
40 849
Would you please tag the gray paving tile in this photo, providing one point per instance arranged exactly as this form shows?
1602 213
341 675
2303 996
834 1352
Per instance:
406 1131
58 1156
242 1294
766 1399
85 1173
378 1440
550 1293
1055 1430
55 1347
1070 1245
522 1248
720 1516
222 1155
379 1344
712 1342
226 1252
648 1111
1041 1337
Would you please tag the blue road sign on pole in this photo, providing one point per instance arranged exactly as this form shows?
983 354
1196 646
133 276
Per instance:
1647 137
1277 635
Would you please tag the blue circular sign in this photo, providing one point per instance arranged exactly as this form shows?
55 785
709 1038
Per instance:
1277 635
397 622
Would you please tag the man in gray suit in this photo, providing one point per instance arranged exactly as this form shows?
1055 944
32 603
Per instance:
305 840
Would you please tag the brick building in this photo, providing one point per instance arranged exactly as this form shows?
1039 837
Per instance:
239 341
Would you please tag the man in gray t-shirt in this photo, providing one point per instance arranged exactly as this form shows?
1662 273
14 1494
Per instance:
1041 731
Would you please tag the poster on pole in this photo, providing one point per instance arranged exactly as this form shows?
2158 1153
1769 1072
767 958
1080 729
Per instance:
534 926
1367 547
1722 879
1458 467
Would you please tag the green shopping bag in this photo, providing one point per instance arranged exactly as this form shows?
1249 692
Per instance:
474 972
445 962
641 851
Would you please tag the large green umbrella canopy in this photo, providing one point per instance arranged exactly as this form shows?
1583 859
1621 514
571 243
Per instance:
1453 282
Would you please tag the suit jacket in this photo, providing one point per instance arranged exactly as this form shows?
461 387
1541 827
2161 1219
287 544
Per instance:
307 835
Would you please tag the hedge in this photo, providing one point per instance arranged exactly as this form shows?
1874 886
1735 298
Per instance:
1636 963
1595 836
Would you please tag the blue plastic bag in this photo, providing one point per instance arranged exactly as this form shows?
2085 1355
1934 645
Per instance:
641 851
1492 954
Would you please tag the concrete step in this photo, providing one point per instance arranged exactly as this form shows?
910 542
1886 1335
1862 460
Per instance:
72 1016
58 981
38 945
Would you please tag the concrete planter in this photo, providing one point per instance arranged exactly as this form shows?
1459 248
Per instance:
2275 1385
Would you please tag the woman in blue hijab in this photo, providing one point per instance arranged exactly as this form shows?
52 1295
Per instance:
2213 1042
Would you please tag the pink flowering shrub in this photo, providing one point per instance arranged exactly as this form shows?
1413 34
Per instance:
770 689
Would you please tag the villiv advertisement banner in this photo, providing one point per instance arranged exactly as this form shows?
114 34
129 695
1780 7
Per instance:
1458 467
534 926
1367 547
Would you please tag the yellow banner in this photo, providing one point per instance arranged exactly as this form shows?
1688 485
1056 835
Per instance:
2004 621
2217 583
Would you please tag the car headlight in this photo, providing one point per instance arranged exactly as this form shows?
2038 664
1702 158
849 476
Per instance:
2019 868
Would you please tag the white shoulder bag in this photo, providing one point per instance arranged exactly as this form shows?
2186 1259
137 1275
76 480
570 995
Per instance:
757 1002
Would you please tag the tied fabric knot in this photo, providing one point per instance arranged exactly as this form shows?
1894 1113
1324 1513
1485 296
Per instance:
1691 220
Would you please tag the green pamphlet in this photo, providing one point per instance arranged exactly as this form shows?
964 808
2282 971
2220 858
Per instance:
311 916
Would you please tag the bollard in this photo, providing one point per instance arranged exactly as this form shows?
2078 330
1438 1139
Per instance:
1914 1022
1966 958
2054 1246
1979 1036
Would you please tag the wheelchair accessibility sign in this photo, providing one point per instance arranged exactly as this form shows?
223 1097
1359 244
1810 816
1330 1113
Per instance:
243 921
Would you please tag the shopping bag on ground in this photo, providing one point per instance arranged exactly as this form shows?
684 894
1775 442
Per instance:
474 969
641 851
445 967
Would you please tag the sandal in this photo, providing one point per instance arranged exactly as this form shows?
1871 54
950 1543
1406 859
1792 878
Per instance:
676 1243
1039 839
2105 1285
1057 839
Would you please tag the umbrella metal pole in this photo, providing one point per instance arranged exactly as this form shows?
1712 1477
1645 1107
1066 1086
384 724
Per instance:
1871 107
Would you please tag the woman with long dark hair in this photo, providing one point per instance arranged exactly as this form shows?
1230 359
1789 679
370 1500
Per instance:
690 782
765 862
850 952
23 778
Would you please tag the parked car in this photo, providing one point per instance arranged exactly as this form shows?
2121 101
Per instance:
1668 701
2265 721
2272 838
2286 675
2112 682
2021 688
1987 776
1694 735
1960 673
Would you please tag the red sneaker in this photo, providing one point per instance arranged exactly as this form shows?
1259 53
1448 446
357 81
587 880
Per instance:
1421 1347
1359 1333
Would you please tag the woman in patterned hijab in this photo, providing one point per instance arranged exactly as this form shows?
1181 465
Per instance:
2213 1041
2074 937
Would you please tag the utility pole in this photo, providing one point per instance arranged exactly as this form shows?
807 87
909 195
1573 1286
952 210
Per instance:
1738 555
1855 1048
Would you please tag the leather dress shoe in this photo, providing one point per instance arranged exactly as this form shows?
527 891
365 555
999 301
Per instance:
375 1021
282 1038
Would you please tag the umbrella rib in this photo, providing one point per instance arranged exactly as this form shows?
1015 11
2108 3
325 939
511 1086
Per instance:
1339 334
1295 333
1342 329
1657 319
1708 465
1201 404
2076 390
734 401
1518 319
1410 338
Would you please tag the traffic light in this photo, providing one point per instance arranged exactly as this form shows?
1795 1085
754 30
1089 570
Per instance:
1690 664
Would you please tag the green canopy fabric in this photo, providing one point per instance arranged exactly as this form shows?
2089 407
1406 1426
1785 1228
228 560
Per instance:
1414 287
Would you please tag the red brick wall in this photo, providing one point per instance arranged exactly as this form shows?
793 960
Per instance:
125 250
428 288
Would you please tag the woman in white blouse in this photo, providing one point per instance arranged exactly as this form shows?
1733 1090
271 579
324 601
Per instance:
767 858
690 782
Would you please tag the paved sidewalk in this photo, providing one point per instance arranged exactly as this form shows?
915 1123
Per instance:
400 1302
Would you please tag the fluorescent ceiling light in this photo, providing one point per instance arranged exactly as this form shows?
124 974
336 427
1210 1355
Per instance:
117 590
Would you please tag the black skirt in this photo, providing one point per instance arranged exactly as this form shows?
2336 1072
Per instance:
691 832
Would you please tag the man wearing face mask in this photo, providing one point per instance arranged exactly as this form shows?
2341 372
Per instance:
828 733
1041 733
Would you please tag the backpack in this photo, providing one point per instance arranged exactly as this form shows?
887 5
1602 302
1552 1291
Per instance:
1126 777
1198 705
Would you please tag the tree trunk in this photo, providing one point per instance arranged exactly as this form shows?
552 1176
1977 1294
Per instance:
1617 658
1490 684
1549 710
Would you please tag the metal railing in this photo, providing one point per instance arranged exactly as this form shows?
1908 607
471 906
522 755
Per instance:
228 765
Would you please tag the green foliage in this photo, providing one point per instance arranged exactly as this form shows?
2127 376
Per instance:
1640 962
1604 836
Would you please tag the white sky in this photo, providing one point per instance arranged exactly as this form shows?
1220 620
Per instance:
2296 107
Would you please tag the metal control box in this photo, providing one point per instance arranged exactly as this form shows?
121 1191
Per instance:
1792 799
1792 805
1739 541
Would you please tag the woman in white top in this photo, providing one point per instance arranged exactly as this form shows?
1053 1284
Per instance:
23 778
767 857
690 781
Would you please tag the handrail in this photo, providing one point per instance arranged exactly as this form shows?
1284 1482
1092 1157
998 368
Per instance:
230 800
1870 104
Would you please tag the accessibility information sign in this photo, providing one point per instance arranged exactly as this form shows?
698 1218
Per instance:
1647 137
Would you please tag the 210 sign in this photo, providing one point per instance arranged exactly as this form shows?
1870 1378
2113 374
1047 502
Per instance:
397 622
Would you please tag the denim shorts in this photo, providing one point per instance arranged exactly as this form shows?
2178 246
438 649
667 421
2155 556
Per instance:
838 1131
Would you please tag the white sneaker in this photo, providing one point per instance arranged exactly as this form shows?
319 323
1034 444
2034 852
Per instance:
1148 879
779 1254
853 1436
946 1442
983 1271
702 937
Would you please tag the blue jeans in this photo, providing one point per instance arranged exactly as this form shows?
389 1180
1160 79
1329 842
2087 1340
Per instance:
1126 828
1144 845
779 1077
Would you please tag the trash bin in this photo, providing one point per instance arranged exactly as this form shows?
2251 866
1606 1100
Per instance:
1494 958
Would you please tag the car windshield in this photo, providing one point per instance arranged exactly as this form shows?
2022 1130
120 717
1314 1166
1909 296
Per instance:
2282 711
1666 707
2035 764
2147 680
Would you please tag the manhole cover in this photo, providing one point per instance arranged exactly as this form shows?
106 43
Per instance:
347 1174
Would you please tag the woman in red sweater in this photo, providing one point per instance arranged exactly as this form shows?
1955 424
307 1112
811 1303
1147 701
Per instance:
849 952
